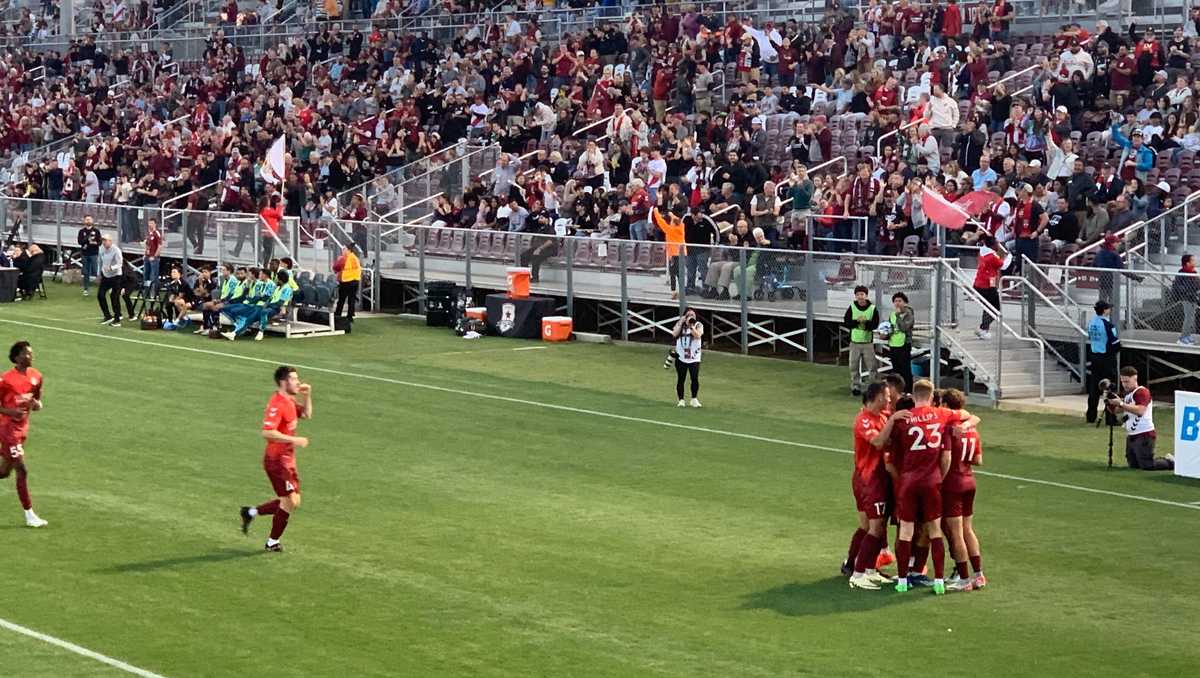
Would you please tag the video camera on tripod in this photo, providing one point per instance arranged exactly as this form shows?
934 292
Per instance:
1108 390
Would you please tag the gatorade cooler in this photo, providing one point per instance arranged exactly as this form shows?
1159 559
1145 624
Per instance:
518 282
477 313
556 328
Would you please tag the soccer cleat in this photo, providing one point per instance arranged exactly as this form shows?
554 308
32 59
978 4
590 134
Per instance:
200 331
919 579
879 577
862 581
229 335
169 326
939 588
32 520
276 547
979 581
901 585
681 404
85 293
115 323
884 559
695 403
847 569
956 584
246 519
259 336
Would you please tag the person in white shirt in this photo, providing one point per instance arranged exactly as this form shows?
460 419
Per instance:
657 172
927 149
1180 92
1075 60
689 334
1060 160
943 117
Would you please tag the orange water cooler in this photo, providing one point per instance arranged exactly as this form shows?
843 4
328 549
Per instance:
518 282
557 328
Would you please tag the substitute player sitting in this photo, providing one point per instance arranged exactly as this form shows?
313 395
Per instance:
292 401
921 459
872 430
958 501
20 394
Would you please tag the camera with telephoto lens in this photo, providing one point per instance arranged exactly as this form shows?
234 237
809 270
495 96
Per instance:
1108 391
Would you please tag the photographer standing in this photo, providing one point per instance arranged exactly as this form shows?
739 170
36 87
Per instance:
688 333
1138 409
1103 348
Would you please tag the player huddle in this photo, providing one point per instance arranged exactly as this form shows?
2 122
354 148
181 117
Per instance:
913 457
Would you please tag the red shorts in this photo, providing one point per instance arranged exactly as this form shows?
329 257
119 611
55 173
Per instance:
919 501
958 502
11 451
283 477
871 495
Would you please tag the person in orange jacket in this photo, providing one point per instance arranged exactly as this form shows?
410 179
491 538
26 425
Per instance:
672 228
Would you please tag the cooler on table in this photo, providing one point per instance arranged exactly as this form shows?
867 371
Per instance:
477 313
556 328
518 281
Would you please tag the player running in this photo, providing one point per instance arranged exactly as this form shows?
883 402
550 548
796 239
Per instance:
20 394
292 401
958 501
872 430
921 459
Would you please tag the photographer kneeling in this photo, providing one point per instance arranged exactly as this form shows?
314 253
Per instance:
688 333
1138 409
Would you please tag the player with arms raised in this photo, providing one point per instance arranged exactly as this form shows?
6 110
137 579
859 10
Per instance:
920 458
292 401
20 394
958 500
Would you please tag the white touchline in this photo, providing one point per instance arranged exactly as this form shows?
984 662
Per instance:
81 651
579 410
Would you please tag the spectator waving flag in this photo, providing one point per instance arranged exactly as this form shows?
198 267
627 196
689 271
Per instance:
954 215
273 167
977 202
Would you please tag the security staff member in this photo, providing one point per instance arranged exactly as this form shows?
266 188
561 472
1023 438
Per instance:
1103 349
862 319
899 341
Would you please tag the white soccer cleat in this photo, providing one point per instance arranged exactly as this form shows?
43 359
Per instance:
32 520
879 577
957 584
681 404
695 403
859 580
229 335
259 336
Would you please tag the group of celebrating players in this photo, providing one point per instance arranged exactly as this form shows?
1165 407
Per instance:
913 456
21 394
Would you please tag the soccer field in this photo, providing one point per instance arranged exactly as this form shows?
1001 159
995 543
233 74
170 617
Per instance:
475 510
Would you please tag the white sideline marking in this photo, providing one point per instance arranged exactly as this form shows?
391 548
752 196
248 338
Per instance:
530 348
579 410
81 651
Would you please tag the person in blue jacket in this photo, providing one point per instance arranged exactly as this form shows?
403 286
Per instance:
1102 351
1136 153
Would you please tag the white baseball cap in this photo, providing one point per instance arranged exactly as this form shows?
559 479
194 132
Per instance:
1163 186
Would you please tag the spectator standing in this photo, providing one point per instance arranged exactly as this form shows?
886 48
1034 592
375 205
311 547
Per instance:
673 232
1108 257
987 278
89 248
349 277
1029 220
1137 405
943 117
153 248
1185 290
899 341
1102 351
701 235
111 270
862 319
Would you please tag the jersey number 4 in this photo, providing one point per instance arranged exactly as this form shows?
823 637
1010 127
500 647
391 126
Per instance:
923 442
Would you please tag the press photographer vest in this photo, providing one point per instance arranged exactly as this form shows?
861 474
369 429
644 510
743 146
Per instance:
898 338
857 334
1136 426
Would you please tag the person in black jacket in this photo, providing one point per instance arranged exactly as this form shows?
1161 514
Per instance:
968 147
89 249
701 234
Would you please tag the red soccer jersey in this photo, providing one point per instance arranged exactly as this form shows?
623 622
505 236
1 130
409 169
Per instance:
866 456
965 449
919 442
280 416
16 390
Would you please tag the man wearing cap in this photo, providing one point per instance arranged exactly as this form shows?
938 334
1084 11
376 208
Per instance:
1029 220
1138 157
1076 60
1102 351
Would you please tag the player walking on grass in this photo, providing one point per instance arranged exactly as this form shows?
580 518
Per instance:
872 429
20 394
292 401
958 501
920 457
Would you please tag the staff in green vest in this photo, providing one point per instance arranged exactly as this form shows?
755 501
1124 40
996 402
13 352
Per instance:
899 340
862 319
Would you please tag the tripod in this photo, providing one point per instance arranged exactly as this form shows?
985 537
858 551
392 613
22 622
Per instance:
1110 419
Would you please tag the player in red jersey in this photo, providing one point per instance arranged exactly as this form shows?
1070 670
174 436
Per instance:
920 458
958 500
292 401
872 490
20 394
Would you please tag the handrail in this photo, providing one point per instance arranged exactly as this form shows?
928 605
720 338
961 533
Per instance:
601 121
1033 288
1019 73
184 195
397 171
898 130
1096 245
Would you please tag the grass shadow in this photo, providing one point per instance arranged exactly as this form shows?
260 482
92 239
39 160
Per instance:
1169 478
826 597
181 561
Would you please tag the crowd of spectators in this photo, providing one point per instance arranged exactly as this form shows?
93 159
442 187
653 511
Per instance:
715 118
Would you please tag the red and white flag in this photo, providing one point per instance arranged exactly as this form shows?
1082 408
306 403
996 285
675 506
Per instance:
942 212
977 202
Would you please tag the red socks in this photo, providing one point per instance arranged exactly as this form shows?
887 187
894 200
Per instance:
960 568
903 551
938 547
920 554
279 524
855 542
268 508
977 564
23 489
868 551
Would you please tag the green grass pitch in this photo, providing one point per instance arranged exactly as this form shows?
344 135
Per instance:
447 534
